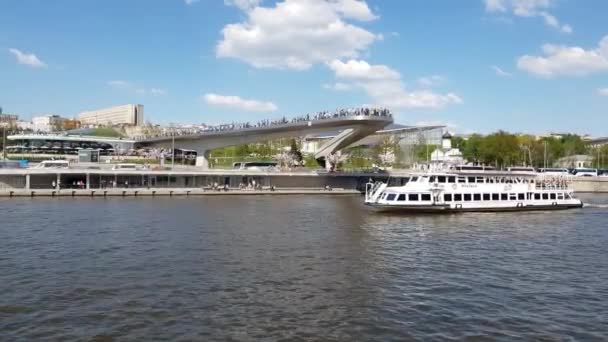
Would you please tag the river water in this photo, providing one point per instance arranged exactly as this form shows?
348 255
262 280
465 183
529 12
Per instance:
297 268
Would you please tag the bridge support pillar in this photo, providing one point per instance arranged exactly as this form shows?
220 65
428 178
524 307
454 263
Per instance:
202 160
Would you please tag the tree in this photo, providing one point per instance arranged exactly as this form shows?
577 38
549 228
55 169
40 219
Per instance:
472 148
295 152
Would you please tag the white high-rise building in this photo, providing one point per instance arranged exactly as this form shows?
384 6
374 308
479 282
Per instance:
130 114
47 123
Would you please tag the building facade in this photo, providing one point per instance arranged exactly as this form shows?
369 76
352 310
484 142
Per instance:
129 114
48 123
8 118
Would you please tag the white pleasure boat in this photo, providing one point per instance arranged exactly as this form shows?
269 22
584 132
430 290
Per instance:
474 188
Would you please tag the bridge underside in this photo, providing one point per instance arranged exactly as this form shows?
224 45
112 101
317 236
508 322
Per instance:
352 129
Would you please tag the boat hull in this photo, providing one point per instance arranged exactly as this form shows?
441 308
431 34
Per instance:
447 209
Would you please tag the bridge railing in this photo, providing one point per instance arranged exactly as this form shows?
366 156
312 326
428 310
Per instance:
320 116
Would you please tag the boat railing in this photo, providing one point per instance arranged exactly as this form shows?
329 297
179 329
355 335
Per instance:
372 190
554 182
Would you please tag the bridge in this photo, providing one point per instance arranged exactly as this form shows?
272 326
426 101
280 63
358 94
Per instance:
353 128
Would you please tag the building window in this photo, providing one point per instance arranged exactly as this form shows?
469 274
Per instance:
401 197
426 197
390 197
476 197
412 197
467 197
447 197
457 197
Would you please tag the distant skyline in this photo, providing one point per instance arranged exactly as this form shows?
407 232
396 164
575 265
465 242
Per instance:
475 65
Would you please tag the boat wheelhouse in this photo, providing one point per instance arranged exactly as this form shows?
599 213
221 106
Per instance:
474 190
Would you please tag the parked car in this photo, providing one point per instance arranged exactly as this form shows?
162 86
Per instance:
585 172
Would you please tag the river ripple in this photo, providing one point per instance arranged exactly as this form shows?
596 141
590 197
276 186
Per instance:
297 268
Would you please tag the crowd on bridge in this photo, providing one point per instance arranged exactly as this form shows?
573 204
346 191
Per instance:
323 115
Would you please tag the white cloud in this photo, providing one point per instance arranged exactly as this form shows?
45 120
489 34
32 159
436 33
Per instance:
125 85
361 70
28 59
296 34
158 92
385 87
431 81
566 60
244 5
190 2
500 72
528 8
119 84
603 91
237 102
338 86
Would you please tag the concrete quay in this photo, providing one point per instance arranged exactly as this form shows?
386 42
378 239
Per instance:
189 181
144 192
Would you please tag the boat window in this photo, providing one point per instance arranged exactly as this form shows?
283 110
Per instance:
467 197
433 179
471 179
536 196
495 197
441 179
545 196
457 197
447 197
401 197
480 180
560 196
424 179
462 179
486 197
512 197
426 197
552 196
390 197
476 197
414 179
452 179
383 195
521 196
412 197
504 197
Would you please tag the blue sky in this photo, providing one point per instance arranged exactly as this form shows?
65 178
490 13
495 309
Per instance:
476 65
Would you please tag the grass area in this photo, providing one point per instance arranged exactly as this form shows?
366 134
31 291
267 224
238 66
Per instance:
106 132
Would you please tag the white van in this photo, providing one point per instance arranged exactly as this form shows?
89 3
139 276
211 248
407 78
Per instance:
124 167
585 172
555 171
53 164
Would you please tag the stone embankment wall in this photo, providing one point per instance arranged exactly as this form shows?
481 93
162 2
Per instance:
591 184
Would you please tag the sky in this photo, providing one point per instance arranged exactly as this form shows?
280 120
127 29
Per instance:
530 66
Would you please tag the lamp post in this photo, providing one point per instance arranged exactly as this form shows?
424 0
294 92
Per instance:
4 141
172 148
